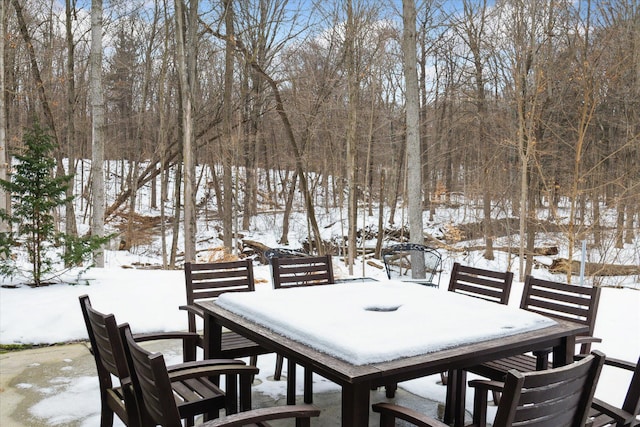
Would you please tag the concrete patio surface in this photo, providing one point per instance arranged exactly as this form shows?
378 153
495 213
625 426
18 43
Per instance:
57 386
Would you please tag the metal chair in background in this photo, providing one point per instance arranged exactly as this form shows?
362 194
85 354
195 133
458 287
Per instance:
413 262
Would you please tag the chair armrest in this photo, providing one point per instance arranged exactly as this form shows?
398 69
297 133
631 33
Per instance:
610 361
179 335
192 309
620 416
390 412
622 364
211 371
189 341
264 414
586 339
487 385
203 364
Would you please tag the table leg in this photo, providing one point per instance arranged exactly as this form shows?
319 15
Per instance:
308 385
355 405
291 381
563 353
455 399
212 337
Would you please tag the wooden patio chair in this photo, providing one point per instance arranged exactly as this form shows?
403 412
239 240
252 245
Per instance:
556 300
163 406
494 286
207 281
413 262
604 414
291 270
558 397
296 271
111 363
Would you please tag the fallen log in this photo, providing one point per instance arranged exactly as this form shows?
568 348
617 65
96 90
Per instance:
258 248
545 250
562 265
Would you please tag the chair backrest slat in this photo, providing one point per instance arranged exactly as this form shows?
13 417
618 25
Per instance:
301 271
490 285
558 397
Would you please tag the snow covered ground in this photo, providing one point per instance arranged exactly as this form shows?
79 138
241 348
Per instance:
52 315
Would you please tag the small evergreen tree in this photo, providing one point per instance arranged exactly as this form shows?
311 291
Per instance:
35 194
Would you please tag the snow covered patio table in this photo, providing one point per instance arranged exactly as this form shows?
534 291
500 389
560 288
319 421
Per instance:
364 335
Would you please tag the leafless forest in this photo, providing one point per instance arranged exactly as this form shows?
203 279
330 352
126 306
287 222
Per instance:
523 104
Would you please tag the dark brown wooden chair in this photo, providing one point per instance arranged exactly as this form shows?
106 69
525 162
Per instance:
111 362
207 281
290 270
558 397
301 271
493 286
552 299
604 414
165 407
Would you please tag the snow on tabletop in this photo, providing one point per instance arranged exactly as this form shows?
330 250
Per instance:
371 322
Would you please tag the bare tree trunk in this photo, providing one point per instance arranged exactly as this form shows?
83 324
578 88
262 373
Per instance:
380 215
185 44
176 219
70 215
524 194
98 125
352 130
227 148
162 139
414 154
620 225
398 165
284 238
5 199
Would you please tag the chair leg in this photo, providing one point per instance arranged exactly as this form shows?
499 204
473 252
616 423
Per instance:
480 408
278 372
444 377
496 397
390 390
253 361
308 385
106 419
291 382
